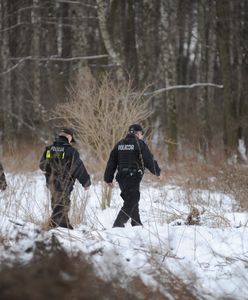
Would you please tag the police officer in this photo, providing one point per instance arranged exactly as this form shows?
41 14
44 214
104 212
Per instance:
130 157
62 166
3 182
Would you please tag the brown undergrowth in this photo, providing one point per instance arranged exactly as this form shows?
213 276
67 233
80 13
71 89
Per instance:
214 177
22 158
190 174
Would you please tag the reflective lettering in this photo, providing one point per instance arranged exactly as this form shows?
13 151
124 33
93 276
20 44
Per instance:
125 147
57 149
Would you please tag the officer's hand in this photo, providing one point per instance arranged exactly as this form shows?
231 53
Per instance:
161 177
110 184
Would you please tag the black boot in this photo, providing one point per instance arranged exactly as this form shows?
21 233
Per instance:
121 219
136 223
60 222
66 225
52 224
65 222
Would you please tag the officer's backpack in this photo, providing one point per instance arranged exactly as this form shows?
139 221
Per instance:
56 157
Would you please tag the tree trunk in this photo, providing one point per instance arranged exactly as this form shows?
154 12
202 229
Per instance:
168 59
5 83
35 53
244 97
130 49
205 74
223 13
109 46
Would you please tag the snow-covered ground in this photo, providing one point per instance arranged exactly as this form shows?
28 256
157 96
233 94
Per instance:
213 255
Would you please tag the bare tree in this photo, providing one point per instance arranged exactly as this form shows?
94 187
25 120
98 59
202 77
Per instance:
100 111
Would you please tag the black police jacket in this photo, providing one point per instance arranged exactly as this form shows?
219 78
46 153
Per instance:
3 183
130 155
62 166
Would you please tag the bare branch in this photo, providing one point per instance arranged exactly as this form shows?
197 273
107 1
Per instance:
13 67
51 58
45 6
175 87
30 127
56 58
14 26
100 111
46 22
76 2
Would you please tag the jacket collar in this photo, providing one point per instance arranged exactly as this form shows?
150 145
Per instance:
130 135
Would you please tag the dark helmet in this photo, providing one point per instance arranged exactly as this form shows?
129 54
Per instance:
68 131
135 127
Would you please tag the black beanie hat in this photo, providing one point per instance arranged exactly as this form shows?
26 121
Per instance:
135 127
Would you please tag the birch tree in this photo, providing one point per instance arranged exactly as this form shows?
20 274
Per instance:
114 56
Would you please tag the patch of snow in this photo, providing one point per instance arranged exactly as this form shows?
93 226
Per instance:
213 256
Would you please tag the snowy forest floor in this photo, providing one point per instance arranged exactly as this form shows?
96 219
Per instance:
163 259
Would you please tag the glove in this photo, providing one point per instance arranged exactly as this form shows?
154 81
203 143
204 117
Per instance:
161 177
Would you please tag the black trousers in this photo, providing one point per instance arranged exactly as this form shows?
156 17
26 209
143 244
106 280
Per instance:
60 203
130 193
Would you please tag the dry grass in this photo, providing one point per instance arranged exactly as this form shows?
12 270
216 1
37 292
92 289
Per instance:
78 207
228 179
24 158
175 286
3 240
190 175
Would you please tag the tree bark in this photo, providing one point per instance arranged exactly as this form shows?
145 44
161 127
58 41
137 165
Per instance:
114 56
5 80
168 59
223 13
205 74
35 52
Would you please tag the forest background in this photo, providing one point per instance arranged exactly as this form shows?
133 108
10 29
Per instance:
190 57
177 66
